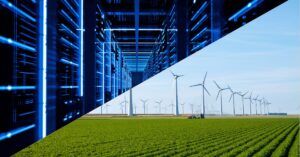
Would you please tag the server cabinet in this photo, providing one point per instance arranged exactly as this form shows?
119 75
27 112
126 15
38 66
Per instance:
69 61
19 42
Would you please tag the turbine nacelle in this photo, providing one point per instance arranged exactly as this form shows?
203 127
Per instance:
176 76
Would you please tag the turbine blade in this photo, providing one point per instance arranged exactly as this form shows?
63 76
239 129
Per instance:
217 84
172 73
230 89
218 94
204 78
200 84
206 90
245 93
230 97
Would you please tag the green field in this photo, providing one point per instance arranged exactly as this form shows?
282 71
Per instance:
172 137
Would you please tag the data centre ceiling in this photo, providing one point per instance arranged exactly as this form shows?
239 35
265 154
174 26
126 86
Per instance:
136 24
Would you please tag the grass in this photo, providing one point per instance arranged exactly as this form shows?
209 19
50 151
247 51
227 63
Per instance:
167 136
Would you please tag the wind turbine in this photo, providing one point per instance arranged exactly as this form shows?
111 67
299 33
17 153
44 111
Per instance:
268 103
121 107
232 97
243 96
175 76
125 103
256 99
159 105
260 102
182 106
144 105
220 93
203 89
192 108
250 102
172 106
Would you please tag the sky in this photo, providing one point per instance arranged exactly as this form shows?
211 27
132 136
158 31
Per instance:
262 57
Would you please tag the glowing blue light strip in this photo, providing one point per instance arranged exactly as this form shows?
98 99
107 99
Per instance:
66 3
81 48
14 132
245 9
44 70
18 11
66 29
200 45
68 87
103 75
154 13
68 43
11 42
200 22
200 34
140 29
26 113
11 88
199 11
68 18
68 62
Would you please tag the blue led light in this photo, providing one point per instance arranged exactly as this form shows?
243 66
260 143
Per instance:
26 113
11 42
199 22
18 11
245 9
44 69
81 49
68 62
14 132
201 9
11 88
199 34
68 87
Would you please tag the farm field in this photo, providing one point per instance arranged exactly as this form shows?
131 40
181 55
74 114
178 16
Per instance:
172 137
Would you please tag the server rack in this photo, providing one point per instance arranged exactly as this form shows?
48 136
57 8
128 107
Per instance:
100 54
69 103
19 42
114 75
200 25
172 35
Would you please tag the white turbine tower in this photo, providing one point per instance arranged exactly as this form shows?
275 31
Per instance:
203 94
192 108
243 97
182 106
250 102
256 99
121 107
260 103
175 76
172 108
125 103
144 105
268 103
232 97
159 105
135 108
221 97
